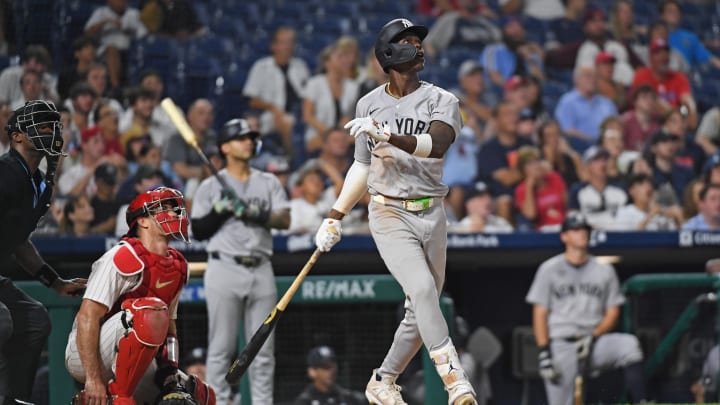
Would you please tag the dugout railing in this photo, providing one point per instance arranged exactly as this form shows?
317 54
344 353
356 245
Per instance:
326 292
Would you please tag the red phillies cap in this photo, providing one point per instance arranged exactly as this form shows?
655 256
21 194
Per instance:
604 57
659 44
513 83
89 133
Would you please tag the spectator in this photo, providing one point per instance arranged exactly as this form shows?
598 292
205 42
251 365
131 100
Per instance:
580 111
97 79
670 177
161 126
596 198
475 99
672 87
624 30
480 218
708 133
597 40
460 170
82 100
114 25
515 55
568 28
104 203
463 26
498 157
708 218
37 59
555 149
691 198
84 55
687 42
329 98
711 170
106 118
336 151
30 87
137 120
308 210
349 44
5 113
540 9
77 216
607 86
535 104
173 18
541 197
146 178
611 140
77 176
185 161
643 213
659 30
374 77
193 363
275 86
150 154
640 122
322 369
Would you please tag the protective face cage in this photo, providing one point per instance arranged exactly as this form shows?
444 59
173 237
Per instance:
166 206
39 121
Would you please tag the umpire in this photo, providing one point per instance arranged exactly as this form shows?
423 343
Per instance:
35 133
239 280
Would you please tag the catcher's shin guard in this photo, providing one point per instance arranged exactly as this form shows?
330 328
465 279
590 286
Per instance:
146 320
447 364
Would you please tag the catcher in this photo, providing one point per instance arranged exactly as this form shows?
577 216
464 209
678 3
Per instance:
123 345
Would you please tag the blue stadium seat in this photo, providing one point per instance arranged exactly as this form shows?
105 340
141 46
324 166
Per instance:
156 52
210 45
199 73
535 29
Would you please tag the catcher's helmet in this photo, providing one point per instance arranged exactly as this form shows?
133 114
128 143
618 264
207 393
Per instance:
30 120
388 52
155 203
238 128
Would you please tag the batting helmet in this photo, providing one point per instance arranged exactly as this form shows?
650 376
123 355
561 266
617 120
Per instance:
390 53
238 128
34 116
155 203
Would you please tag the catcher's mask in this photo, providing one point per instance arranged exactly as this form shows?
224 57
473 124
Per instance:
167 208
39 121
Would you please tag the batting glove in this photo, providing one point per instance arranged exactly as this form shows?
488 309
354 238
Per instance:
584 346
229 203
374 129
328 235
546 367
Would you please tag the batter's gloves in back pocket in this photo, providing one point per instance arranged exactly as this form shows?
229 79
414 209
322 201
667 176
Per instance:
328 235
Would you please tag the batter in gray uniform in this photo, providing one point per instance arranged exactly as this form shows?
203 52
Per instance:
576 304
239 280
402 131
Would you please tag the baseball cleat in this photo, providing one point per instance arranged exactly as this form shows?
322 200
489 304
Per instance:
466 399
382 390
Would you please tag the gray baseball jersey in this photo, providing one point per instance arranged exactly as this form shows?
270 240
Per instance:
235 237
394 172
412 244
575 297
237 293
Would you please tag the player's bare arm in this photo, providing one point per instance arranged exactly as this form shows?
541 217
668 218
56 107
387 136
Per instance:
89 319
540 325
608 322
442 136
30 260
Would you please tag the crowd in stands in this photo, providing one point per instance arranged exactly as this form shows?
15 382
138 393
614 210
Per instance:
596 106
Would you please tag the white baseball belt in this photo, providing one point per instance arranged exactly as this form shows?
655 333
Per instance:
415 205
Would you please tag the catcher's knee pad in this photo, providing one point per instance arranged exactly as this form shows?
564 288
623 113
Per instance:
146 320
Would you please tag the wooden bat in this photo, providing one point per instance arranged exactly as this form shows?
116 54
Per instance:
188 135
580 381
242 362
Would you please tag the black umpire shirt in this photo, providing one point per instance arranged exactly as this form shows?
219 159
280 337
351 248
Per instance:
24 199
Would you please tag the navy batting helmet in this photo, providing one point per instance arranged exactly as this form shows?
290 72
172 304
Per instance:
238 128
390 53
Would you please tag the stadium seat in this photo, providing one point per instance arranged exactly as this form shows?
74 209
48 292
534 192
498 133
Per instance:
199 72
155 52
213 46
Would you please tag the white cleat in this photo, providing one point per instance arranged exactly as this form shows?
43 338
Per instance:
382 390
461 393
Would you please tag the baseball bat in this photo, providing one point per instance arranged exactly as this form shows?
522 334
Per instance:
188 135
242 362
580 382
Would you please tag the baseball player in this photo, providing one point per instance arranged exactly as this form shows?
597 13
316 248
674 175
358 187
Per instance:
239 279
402 131
128 313
35 132
576 304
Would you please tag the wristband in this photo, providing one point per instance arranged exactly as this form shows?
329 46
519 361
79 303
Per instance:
423 146
46 275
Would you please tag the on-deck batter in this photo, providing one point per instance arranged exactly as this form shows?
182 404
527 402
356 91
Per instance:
402 131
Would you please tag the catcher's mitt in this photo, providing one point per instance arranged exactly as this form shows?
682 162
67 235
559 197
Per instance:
175 394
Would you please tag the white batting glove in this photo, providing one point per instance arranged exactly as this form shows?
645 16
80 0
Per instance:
374 129
328 235
584 346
